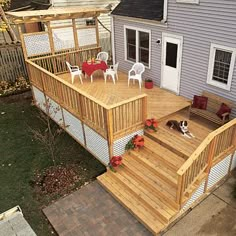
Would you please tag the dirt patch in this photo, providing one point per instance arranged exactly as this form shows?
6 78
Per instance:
222 223
58 180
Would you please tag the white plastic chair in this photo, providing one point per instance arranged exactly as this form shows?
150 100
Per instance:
112 71
137 69
102 56
74 70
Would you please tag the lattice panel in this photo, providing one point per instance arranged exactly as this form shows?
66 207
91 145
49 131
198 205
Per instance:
199 192
218 172
55 111
73 126
63 38
233 166
37 44
97 145
40 99
119 145
87 37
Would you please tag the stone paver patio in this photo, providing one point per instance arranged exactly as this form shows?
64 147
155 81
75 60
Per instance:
92 211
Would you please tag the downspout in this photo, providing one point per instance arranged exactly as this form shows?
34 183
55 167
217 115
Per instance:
165 11
113 40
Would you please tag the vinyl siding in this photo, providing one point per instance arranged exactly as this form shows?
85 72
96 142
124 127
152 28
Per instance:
212 21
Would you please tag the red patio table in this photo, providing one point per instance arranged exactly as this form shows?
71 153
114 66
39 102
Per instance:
89 68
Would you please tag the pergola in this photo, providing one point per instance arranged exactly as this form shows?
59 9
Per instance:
58 37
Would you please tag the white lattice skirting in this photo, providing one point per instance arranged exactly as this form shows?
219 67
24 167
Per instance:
119 145
95 143
217 173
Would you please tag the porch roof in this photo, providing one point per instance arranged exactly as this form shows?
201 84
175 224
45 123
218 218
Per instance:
55 14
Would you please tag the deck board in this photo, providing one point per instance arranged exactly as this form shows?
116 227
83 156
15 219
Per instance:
175 141
161 103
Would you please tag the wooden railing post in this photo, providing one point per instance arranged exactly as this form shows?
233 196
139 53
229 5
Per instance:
109 124
144 100
179 195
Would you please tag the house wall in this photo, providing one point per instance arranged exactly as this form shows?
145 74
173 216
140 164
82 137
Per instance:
212 21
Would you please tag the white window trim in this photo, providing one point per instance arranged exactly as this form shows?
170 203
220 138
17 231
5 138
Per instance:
211 66
137 51
188 1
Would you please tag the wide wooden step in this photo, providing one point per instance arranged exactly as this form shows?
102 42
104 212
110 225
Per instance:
172 141
119 191
145 196
164 190
145 158
158 153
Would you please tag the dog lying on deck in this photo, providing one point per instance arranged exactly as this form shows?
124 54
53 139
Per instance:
181 126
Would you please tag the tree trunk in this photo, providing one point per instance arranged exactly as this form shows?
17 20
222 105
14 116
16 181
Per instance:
9 29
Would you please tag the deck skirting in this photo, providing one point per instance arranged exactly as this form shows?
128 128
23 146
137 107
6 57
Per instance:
83 134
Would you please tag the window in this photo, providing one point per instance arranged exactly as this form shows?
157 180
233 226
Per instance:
171 54
188 1
221 65
137 45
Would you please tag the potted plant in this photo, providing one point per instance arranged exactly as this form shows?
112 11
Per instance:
135 143
148 83
115 162
151 125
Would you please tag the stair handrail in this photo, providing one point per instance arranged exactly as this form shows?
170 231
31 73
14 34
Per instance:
209 142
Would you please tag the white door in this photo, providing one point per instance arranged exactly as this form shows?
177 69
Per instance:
171 62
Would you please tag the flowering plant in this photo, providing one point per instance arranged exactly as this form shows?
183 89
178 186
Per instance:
115 162
151 124
136 142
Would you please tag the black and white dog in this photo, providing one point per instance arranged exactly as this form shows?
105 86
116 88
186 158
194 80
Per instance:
181 126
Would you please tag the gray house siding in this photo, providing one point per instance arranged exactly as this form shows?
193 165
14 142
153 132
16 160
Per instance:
212 21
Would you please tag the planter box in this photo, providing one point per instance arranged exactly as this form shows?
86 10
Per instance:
148 84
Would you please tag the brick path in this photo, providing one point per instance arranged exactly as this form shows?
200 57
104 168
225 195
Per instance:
92 211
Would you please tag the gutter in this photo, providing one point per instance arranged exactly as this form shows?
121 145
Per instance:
165 11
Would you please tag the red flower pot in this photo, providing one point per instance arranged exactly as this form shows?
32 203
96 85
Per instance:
148 84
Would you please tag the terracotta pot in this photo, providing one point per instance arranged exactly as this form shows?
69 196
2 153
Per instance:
148 84
150 130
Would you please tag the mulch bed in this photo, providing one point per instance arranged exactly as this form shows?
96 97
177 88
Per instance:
58 180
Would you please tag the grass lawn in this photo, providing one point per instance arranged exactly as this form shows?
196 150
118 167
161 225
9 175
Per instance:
21 157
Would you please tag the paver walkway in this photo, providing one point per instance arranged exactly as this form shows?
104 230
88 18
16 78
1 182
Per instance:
92 211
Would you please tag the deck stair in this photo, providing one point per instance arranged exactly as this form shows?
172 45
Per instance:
146 184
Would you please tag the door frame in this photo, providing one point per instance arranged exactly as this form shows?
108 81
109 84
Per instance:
179 62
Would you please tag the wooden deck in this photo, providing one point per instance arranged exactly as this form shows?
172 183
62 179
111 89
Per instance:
178 143
161 103
147 183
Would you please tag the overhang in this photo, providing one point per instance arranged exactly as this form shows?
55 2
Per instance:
54 14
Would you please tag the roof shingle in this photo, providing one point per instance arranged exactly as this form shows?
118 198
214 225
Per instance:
144 9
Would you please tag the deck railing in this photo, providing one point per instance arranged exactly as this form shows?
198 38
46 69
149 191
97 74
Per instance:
217 145
56 63
111 122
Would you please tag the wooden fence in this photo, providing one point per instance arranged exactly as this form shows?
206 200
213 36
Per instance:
217 145
12 64
111 122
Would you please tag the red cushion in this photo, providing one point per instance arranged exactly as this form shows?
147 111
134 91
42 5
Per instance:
223 109
200 102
